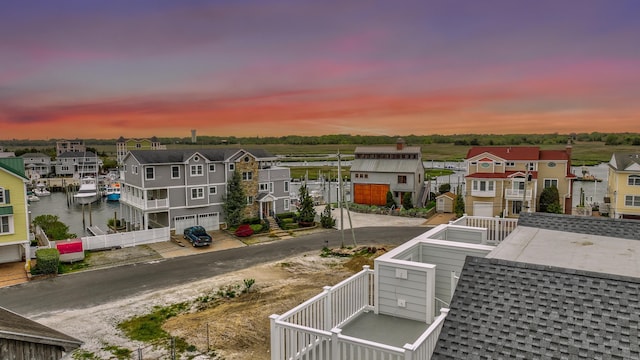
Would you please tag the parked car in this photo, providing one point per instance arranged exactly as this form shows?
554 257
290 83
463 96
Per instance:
197 236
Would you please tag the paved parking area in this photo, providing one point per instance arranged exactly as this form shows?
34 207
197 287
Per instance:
180 247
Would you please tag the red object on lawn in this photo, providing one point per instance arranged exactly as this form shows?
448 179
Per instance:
70 246
244 230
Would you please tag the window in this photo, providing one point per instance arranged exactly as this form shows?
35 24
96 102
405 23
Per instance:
631 200
2 197
270 187
634 180
213 190
197 193
175 172
550 183
402 179
246 159
249 200
197 170
498 163
509 164
483 185
286 204
286 186
212 167
6 224
485 164
531 166
263 187
247 175
232 167
516 207
150 173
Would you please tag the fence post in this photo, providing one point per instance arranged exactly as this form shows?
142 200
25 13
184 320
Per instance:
139 353
335 348
327 308
408 351
275 338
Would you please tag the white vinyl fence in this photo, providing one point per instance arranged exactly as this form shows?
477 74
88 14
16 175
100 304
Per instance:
124 239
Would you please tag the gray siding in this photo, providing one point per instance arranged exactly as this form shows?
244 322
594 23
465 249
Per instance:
466 236
413 290
446 259
129 177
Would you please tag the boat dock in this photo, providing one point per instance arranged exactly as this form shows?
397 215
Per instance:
95 231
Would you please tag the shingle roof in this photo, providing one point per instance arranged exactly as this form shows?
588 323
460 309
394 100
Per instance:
619 228
177 156
510 310
507 152
385 165
624 160
75 154
16 327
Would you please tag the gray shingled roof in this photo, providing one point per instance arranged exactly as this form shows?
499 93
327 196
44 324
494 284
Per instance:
177 156
511 310
16 327
385 165
624 160
75 154
619 228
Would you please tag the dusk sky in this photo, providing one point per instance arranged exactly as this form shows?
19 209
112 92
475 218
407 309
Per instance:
104 69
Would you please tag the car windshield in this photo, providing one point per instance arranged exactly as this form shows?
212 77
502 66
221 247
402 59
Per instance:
199 231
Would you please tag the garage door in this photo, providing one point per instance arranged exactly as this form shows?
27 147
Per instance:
482 208
370 194
183 222
209 221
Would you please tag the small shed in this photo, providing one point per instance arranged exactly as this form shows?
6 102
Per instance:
444 202
21 338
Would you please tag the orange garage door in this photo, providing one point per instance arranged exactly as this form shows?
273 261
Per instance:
370 194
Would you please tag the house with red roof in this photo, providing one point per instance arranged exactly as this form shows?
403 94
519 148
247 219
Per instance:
507 180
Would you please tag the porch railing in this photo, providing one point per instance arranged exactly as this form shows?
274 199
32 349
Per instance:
311 330
497 228
145 204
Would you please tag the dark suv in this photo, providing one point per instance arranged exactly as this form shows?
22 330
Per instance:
197 236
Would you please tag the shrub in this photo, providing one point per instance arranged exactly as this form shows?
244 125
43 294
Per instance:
256 228
406 201
326 220
244 230
47 262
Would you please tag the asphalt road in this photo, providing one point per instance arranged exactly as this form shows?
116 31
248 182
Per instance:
90 288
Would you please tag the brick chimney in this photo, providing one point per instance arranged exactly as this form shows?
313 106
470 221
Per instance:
400 144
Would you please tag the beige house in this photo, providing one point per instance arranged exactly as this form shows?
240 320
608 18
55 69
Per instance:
506 180
623 190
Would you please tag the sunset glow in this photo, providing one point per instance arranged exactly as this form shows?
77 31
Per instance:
104 69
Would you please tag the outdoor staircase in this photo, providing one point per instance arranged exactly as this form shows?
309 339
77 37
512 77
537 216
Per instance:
275 230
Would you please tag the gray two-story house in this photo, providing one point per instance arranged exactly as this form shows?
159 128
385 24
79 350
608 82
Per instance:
182 188
77 164
377 170
37 165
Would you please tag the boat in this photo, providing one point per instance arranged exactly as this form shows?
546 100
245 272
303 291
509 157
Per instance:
88 191
113 191
41 190
31 197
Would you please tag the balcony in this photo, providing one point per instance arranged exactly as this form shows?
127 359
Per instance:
144 204
483 193
517 194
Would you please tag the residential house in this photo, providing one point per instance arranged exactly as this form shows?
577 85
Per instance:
377 170
623 191
540 286
14 214
21 338
125 145
181 188
507 180
77 164
37 165
64 146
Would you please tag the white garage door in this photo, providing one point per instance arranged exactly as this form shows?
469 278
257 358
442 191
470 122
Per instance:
183 222
482 208
209 221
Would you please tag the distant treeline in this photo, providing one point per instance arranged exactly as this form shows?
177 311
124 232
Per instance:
462 140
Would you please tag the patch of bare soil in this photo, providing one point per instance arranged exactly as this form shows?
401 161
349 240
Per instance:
239 328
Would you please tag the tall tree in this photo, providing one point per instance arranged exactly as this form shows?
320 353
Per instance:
234 200
458 205
390 202
307 213
550 200
406 201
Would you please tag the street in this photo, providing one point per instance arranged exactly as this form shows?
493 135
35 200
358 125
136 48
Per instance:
91 288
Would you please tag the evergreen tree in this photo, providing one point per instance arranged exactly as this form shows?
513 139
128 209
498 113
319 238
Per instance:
458 206
444 188
307 213
326 220
234 200
406 201
550 200
390 202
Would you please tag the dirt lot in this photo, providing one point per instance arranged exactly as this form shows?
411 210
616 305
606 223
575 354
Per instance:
238 327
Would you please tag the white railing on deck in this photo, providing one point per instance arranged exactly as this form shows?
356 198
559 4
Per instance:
126 239
144 204
310 331
497 228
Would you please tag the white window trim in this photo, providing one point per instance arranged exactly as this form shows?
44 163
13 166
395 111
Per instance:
134 169
263 186
9 223
199 193
213 190
247 175
232 167
635 178
544 183
194 170
633 199
286 204
175 167
286 186
212 166
249 200
153 173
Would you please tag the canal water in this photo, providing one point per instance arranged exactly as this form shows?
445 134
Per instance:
71 214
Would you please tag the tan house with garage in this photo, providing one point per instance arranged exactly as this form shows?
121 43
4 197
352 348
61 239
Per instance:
377 170
507 180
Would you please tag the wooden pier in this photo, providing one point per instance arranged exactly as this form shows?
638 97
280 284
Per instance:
95 231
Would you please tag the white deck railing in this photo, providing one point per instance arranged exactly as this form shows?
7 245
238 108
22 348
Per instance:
311 330
144 204
497 228
126 239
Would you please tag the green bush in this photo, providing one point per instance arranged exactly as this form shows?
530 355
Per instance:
256 228
47 262
252 221
287 215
